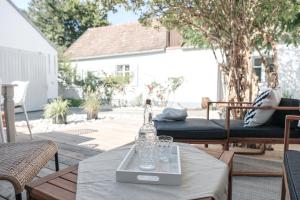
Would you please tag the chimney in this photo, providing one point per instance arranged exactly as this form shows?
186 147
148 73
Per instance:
168 39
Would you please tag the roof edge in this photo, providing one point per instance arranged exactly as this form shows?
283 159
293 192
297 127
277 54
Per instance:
118 54
32 24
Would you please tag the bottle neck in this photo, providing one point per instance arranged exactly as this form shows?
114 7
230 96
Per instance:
148 114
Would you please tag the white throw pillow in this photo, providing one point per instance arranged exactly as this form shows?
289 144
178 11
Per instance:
172 114
257 117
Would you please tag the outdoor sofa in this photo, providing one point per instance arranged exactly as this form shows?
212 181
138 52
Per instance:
291 165
227 131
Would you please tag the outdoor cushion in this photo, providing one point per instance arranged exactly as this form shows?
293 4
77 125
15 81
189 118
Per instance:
237 129
191 128
292 168
278 117
257 117
172 114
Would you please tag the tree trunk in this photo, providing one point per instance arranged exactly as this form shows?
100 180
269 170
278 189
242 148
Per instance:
242 81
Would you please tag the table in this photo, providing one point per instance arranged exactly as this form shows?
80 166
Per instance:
9 109
62 184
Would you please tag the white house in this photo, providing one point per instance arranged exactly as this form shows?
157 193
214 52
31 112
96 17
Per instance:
25 54
154 55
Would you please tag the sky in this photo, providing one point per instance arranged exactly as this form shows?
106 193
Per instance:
121 17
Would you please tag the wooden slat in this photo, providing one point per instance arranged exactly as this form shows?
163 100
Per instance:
257 174
50 177
64 184
70 177
48 191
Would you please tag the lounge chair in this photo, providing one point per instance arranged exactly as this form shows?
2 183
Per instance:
21 162
291 165
226 131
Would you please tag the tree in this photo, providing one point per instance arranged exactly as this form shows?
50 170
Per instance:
63 21
233 29
66 73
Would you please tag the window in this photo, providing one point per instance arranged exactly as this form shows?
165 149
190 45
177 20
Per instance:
123 70
257 71
258 67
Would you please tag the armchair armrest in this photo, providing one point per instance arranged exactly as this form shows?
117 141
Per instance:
223 102
287 129
264 107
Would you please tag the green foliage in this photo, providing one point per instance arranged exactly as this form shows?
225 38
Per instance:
63 21
74 102
91 104
57 110
90 83
66 73
174 83
112 83
105 85
194 38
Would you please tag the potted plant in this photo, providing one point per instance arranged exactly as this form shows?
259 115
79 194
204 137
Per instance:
57 111
91 105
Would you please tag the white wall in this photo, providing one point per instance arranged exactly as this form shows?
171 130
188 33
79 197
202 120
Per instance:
198 67
22 65
289 69
17 33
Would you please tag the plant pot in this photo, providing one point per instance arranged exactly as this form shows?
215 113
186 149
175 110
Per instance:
92 115
204 103
60 119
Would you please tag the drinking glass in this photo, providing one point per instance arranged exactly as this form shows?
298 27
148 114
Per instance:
147 154
164 147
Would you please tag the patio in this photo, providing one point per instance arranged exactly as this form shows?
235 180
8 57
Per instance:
239 60
117 128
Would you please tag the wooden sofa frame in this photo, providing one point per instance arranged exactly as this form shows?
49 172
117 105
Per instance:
230 106
250 140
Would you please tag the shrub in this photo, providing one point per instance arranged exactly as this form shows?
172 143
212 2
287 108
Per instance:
91 105
57 111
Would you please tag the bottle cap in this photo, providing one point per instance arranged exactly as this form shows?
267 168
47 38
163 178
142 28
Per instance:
148 101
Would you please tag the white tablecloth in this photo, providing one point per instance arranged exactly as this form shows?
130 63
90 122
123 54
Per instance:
202 176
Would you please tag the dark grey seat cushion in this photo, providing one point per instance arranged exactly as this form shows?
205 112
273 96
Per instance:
191 128
292 167
237 129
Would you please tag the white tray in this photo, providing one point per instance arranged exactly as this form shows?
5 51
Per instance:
165 173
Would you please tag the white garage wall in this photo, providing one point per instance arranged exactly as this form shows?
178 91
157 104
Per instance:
18 33
26 66
198 67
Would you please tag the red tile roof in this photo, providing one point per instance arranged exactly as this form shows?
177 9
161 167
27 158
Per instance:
118 39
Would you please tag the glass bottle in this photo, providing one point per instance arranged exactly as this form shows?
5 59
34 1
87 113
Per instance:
148 129
146 142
